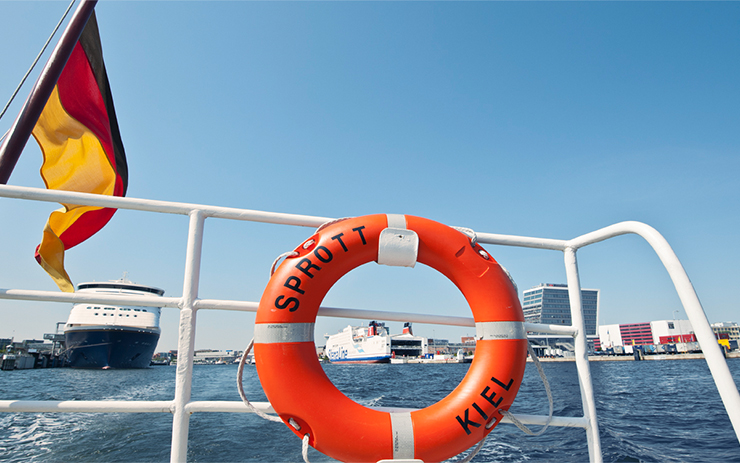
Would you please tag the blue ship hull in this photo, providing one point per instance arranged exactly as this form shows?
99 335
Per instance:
377 359
110 347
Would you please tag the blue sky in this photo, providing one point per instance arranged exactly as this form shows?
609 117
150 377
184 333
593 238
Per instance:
539 119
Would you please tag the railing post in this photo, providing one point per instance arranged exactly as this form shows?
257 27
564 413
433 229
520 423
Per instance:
581 346
716 362
186 341
702 329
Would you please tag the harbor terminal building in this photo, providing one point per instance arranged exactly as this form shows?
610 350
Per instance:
731 329
407 344
549 304
662 332
639 334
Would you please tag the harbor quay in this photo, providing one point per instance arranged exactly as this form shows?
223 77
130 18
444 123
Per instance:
407 348
631 358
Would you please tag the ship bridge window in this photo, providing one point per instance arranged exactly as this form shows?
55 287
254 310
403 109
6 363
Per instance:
109 308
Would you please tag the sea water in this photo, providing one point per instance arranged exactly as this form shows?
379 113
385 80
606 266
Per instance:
651 411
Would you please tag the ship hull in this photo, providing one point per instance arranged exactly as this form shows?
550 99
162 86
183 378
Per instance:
362 360
102 347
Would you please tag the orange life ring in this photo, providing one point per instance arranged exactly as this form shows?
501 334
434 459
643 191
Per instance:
300 392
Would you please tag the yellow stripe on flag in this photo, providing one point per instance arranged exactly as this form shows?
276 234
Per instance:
74 160
51 258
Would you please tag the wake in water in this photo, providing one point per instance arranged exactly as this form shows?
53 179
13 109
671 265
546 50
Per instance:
34 436
652 411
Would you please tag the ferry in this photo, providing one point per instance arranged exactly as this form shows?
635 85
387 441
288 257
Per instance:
104 336
359 344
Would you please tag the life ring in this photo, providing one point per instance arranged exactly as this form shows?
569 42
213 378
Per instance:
304 397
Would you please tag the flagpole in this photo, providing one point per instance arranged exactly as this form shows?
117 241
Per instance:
15 141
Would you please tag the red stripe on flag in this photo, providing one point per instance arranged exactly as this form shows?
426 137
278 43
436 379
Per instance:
82 99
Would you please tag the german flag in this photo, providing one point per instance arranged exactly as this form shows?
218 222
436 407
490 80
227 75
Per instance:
78 135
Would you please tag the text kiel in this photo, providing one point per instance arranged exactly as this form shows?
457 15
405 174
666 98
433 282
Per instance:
466 422
309 268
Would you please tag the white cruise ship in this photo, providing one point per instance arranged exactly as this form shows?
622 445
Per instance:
371 344
109 336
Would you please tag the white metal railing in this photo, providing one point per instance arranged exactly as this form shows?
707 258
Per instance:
189 303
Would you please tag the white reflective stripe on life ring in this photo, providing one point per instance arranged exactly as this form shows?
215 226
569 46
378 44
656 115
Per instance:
500 330
396 221
271 333
403 436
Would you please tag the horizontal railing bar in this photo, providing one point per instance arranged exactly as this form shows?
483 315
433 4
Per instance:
71 197
138 204
522 241
560 421
239 407
223 406
396 316
565 330
93 298
247 306
86 406
213 406
612 231
222 304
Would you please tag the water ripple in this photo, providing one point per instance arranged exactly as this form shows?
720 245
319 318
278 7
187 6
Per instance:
657 411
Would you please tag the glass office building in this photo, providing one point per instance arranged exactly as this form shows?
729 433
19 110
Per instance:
549 304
